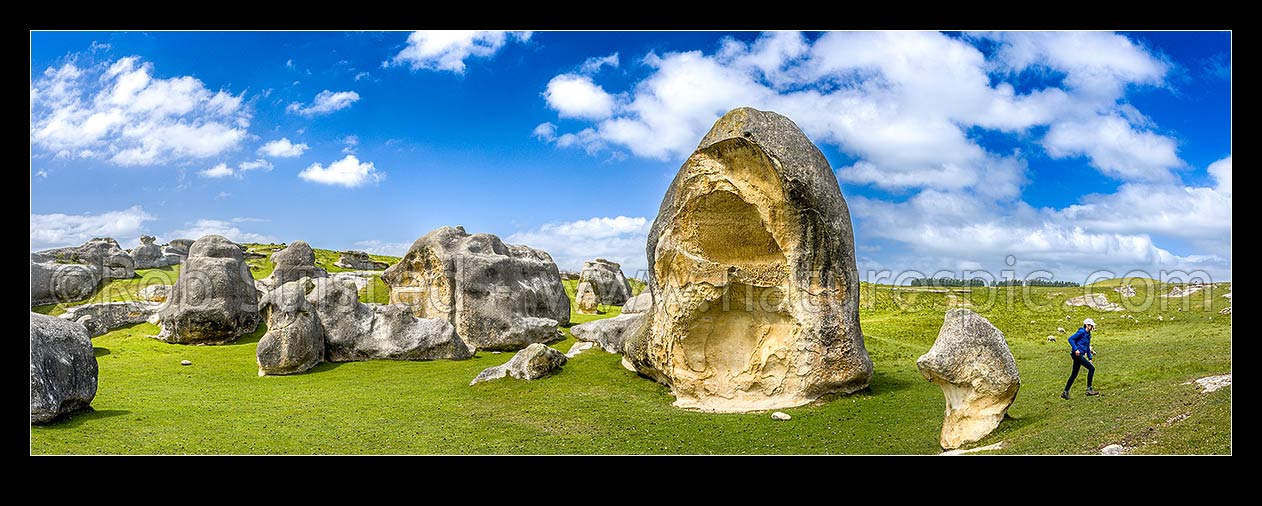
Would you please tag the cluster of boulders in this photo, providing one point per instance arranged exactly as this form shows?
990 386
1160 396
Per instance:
73 273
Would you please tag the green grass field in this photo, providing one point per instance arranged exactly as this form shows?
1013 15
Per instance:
147 403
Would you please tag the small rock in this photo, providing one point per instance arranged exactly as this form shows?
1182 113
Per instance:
186 362
780 415
1113 449
578 347
496 352
1211 383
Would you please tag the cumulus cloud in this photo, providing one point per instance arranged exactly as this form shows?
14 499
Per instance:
57 230
219 171
576 96
546 132
282 148
448 49
121 112
203 227
1115 147
348 172
1221 171
395 249
325 102
594 64
259 164
621 239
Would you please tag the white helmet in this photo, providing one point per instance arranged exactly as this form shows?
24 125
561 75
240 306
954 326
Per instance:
1089 321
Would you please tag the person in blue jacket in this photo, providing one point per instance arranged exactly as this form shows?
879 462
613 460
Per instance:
1081 353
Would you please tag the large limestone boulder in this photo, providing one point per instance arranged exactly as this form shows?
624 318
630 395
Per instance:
106 316
533 362
155 293
63 368
150 256
586 300
215 300
610 333
357 331
639 304
294 341
607 280
53 282
359 260
102 253
498 296
178 247
1095 301
752 267
294 262
971 362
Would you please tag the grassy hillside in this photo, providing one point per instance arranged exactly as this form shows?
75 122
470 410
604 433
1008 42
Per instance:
148 403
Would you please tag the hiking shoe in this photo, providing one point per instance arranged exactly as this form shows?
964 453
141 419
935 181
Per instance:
1065 395
1092 392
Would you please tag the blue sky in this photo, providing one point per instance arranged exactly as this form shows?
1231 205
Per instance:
1071 152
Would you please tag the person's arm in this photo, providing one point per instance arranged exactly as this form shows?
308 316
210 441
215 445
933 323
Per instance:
1075 342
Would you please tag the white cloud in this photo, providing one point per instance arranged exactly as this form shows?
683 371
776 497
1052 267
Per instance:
41 173
282 148
448 49
204 227
575 96
248 219
1115 148
1178 211
351 142
58 230
362 75
1096 64
289 64
593 65
1221 171
394 249
223 195
348 172
218 171
122 109
620 239
546 132
325 102
256 165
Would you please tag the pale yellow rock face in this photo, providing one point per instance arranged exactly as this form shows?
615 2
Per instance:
586 300
755 294
971 362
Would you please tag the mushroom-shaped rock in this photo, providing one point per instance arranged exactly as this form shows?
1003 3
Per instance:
971 362
63 368
292 263
586 300
214 301
639 304
356 331
533 362
610 333
498 296
294 341
752 269
607 280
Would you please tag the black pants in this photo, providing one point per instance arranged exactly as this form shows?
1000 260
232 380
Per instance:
1080 361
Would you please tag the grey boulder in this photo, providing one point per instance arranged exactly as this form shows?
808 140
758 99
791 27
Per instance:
155 293
610 333
106 316
294 341
63 368
101 252
215 300
357 331
359 260
607 280
533 362
497 296
294 262
178 247
54 282
150 256
641 303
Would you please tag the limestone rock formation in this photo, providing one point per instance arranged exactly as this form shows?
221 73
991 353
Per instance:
498 296
586 300
357 331
178 247
971 362
294 262
610 333
359 260
752 270
607 280
1095 301
106 316
294 341
1125 290
155 293
63 368
150 256
101 253
214 301
533 362
577 348
639 304
54 282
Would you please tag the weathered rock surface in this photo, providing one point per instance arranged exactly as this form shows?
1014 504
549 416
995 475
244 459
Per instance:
1113 449
294 262
1183 291
567 275
359 260
972 364
586 300
63 368
1212 383
752 267
780 416
607 280
1125 290
178 247
53 282
106 316
498 296
359 278
357 331
533 362
294 341
215 300
155 293
150 256
577 348
610 333
102 253
1095 301
641 303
